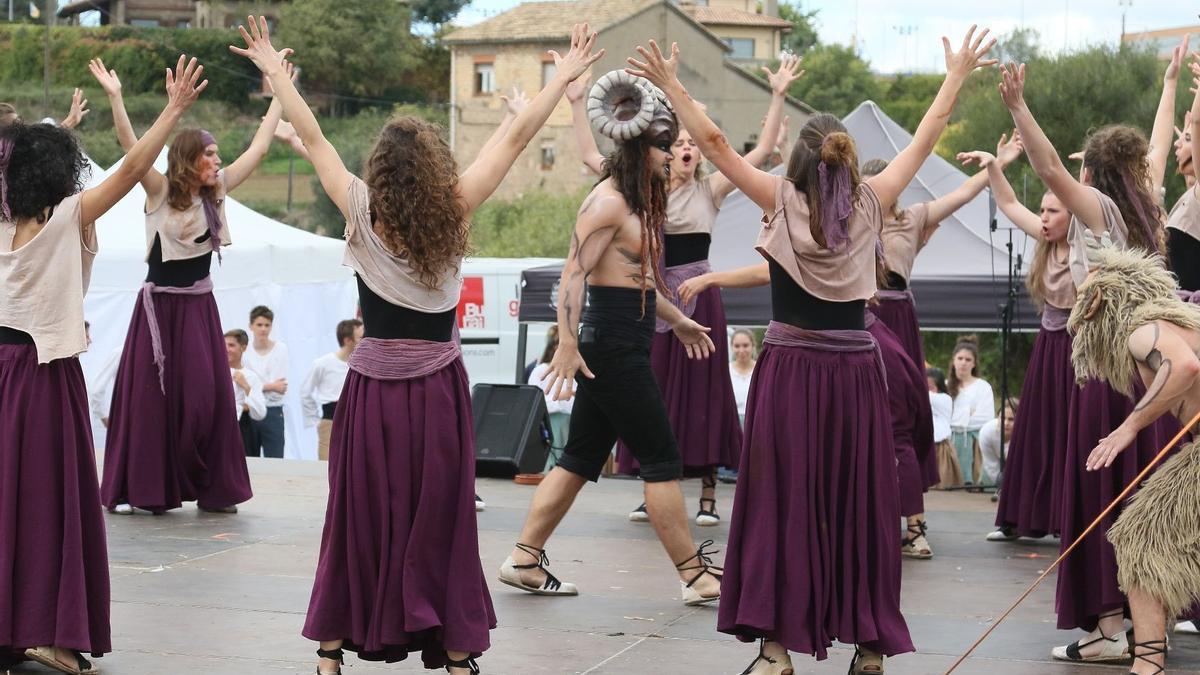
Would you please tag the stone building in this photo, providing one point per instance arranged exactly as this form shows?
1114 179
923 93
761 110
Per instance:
172 13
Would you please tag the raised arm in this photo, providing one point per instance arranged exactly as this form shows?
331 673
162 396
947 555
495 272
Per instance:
589 152
1007 151
482 178
742 277
781 80
1044 159
758 185
78 111
335 179
183 87
512 107
1192 122
286 133
153 181
1156 348
959 65
241 168
1164 121
1029 222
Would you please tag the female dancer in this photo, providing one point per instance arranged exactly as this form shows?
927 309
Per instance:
1029 498
1183 223
803 566
54 589
173 435
1111 205
399 569
698 393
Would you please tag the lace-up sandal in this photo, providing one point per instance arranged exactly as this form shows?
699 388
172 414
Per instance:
468 663
769 665
332 655
46 657
510 573
914 545
1115 648
707 515
703 565
866 662
1151 648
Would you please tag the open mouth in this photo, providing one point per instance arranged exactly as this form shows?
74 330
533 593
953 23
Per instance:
687 159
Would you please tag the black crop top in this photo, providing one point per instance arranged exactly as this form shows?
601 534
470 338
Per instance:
383 320
681 249
1183 251
176 273
793 305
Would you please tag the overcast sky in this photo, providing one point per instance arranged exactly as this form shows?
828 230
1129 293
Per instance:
902 36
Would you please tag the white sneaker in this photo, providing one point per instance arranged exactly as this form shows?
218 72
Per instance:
510 573
1115 648
1188 627
639 515
479 503
122 510
1003 535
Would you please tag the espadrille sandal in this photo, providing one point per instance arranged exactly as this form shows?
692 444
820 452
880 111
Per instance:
468 663
46 657
1152 648
692 597
866 662
332 655
769 665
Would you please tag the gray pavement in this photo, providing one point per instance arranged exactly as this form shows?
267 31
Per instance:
202 593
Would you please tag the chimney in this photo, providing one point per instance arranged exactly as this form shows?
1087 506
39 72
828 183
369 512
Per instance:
770 7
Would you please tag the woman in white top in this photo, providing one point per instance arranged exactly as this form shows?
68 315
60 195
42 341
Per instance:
560 411
949 472
993 446
741 369
52 543
974 405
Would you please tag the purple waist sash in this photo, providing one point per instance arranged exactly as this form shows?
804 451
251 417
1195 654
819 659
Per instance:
201 287
897 295
1055 318
1188 296
402 359
846 341
673 277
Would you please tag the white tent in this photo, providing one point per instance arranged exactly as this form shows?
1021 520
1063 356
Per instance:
297 274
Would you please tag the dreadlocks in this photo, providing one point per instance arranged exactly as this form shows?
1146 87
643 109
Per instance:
645 191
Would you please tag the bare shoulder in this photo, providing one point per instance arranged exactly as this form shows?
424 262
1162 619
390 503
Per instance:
1143 341
604 206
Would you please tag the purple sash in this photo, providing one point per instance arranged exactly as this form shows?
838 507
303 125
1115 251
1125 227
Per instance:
1188 296
673 277
402 359
787 335
1055 318
201 287
885 294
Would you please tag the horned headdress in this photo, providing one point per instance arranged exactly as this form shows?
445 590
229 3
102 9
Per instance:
623 107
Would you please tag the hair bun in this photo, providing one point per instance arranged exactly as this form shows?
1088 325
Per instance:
837 148
968 340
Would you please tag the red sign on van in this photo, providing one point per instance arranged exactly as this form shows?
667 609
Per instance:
470 303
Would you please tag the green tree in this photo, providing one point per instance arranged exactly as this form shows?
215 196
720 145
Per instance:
837 80
803 35
437 12
1018 46
907 97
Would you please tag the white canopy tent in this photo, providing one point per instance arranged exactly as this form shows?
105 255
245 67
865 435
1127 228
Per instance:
297 274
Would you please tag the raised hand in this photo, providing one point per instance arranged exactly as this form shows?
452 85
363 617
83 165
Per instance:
517 102
695 338
581 57
182 90
661 71
107 79
1009 149
970 55
79 110
1176 62
578 89
1012 85
788 72
981 157
258 46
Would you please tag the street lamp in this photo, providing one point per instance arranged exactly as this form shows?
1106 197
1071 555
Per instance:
1124 5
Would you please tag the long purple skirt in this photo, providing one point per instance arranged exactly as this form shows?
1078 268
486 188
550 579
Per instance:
399 570
1031 493
813 552
1087 580
166 450
53 551
698 394
900 316
911 418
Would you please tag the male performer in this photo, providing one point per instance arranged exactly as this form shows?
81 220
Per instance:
249 403
1128 322
322 386
615 252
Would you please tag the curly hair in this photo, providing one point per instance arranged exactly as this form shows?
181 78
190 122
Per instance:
413 182
182 172
46 166
1115 156
645 192
822 140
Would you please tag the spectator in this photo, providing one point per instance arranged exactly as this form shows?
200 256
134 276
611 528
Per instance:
249 404
269 360
989 443
942 405
974 405
741 368
323 386
560 411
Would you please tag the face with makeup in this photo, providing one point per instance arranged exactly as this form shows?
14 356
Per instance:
208 164
661 136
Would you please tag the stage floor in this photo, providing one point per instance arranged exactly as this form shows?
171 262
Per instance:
202 593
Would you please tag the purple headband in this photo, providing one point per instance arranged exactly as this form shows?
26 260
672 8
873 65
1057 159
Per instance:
212 215
207 139
835 202
6 150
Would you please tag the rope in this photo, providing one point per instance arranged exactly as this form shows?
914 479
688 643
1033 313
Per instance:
1120 498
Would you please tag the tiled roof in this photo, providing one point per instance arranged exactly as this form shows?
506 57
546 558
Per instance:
545 21
728 16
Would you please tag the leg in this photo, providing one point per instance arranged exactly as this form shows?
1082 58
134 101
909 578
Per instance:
1149 633
324 433
271 433
665 500
329 658
707 515
249 434
551 501
965 451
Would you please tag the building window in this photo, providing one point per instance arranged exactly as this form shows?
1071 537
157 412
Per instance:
549 69
144 23
547 156
183 23
743 48
485 78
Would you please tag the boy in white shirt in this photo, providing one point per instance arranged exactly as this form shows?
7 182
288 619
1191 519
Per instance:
269 360
322 387
248 401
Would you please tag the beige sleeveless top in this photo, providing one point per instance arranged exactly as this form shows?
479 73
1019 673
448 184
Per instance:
904 239
1060 287
836 276
691 208
42 284
1082 239
179 230
1185 215
390 276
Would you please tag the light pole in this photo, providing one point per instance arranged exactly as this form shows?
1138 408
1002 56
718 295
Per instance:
48 17
1124 5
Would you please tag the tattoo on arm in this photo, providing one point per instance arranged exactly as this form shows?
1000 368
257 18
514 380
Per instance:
582 260
1162 368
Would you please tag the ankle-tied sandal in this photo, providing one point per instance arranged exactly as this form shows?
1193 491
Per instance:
45 656
692 597
769 665
1152 648
1112 647
510 573
915 545
468 663
861 669
332 655
707 515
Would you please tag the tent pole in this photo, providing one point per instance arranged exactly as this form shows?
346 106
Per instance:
522 339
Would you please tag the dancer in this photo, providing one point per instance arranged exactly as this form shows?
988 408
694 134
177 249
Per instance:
1030 496
416 583
1111 205
173 433
322 387
1183 222
1129 325
615 252
249 404
79 110
55 589
803 569
269 360
698 394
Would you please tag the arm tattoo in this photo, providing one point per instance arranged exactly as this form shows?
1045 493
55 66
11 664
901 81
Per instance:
1156 387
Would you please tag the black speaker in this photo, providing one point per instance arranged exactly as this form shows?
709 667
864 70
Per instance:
512 429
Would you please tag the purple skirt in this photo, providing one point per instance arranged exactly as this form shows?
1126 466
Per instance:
399 570
813 552
185 446
698 394
1031 493
901 317
1087 580
53 551
911 418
